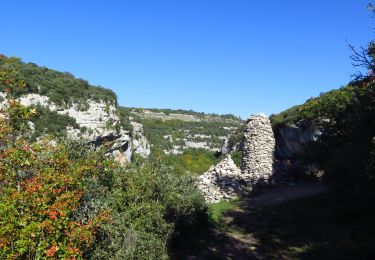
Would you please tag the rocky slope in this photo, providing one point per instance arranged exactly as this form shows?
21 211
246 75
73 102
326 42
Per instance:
71 107
175 131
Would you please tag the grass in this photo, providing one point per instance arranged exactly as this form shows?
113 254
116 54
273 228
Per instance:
217 210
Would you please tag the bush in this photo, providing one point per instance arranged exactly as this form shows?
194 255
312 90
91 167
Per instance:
151 207
48 122
41 190
193 161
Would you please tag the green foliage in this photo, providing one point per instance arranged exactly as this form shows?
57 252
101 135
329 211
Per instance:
124 114
195 161
61 88
151 205
347 116
237 157
48 122
41 189
217 210
326 106
236 138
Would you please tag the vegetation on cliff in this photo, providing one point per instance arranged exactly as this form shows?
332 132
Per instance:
345 150
62 200
62 88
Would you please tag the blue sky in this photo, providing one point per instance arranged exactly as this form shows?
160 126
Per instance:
221 56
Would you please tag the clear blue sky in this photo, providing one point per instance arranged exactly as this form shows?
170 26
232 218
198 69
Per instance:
222 56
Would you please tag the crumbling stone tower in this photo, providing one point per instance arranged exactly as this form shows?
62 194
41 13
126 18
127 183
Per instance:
258 149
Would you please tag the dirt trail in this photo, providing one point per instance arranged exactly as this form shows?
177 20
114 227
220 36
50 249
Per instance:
281 194
252 230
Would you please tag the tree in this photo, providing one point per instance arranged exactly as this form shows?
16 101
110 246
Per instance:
364 57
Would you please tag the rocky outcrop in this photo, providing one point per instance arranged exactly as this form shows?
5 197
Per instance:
118 145
99 119
139 141
258 149
225 149
291 144
3 101
223 182
291 140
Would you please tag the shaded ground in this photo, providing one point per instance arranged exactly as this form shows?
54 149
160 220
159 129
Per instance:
272 196
284 222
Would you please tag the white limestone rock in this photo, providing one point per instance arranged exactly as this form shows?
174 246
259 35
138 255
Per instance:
100 119
140 142
36 99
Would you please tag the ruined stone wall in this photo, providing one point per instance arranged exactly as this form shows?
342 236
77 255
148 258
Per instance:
222 182
226 181
258 149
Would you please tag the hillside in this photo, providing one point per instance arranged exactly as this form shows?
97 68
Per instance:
334 134
70 107
156 202
174 131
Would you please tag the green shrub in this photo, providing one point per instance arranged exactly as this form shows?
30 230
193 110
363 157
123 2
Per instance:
48 122
43 187
237 157
124 114
195 161
61 88
151 206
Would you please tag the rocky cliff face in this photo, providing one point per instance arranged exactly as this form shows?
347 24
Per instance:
291 140
99 120
140 142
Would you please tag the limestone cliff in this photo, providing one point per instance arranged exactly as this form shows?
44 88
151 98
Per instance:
99 120
291 140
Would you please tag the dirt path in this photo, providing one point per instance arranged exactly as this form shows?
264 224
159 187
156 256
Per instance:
281 194
259 227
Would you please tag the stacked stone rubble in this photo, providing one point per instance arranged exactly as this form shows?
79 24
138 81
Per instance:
258 149
226 181
222 182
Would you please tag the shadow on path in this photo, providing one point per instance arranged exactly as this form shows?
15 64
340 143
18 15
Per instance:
282 222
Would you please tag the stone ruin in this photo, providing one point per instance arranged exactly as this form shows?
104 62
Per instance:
258 149
222 182
226 181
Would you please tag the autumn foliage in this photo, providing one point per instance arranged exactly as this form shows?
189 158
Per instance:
41 188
